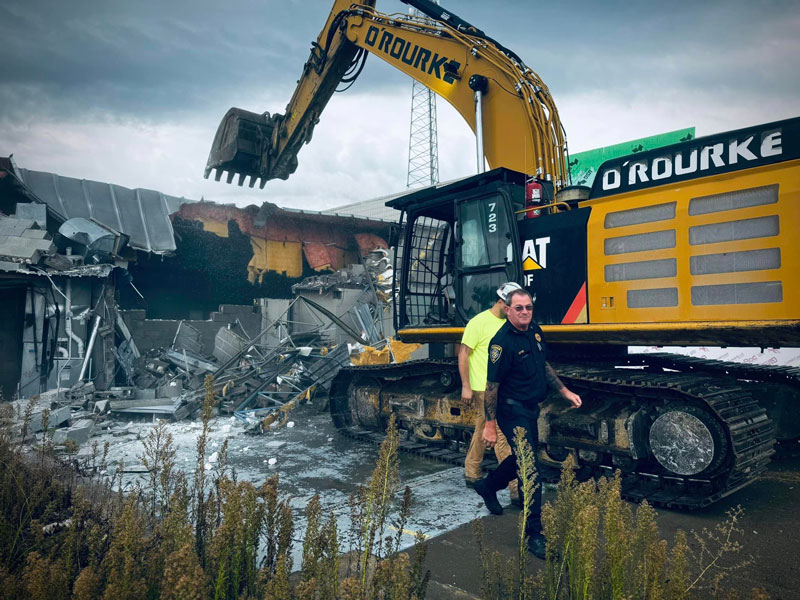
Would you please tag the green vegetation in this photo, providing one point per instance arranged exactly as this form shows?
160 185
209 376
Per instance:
599 547
65 534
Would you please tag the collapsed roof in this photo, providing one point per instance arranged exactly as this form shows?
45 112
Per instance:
144 215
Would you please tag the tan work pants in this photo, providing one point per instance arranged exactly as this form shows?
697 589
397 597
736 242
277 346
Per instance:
472 464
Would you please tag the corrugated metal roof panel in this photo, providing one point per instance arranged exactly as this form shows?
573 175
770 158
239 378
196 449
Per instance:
141 214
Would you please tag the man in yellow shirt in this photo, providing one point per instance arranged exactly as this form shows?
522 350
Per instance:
473 359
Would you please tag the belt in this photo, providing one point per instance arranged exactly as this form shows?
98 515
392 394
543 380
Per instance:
531 406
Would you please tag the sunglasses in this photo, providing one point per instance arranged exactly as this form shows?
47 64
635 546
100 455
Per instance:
526 308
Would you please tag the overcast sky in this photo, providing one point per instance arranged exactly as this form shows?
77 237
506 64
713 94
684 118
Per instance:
132 92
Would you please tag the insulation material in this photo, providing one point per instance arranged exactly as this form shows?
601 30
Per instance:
372 356
219 228
318 257
258 264
284 236
285 257
367 242
402 351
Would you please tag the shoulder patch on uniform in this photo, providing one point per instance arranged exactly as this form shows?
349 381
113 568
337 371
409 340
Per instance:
538 337
494 352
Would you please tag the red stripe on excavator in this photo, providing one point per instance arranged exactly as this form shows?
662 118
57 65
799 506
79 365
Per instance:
578 304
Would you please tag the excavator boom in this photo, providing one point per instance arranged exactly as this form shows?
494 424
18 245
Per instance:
519 123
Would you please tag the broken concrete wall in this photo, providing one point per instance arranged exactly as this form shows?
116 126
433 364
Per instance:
228 344
53 318
44 295
160 333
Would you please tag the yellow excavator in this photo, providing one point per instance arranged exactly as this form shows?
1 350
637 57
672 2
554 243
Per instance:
690 244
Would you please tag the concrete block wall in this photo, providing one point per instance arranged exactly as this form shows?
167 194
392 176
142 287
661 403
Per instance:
159 333
249 317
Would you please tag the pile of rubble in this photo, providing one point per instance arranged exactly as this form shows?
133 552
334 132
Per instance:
256 385
375 273
257 380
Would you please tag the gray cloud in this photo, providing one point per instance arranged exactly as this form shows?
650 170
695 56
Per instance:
132 92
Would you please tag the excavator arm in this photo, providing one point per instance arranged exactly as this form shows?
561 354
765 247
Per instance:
520 126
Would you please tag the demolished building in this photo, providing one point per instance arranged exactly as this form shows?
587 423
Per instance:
65 246
100 283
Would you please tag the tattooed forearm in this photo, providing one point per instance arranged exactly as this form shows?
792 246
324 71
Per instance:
490 400
552 379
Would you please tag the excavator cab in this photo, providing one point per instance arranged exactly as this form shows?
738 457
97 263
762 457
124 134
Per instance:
457 245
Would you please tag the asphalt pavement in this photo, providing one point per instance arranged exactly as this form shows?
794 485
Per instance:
770 539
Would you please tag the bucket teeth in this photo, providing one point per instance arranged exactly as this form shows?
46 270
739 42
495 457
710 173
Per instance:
252 181
242 146
217 174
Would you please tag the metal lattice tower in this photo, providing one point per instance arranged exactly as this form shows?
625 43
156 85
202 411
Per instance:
423 146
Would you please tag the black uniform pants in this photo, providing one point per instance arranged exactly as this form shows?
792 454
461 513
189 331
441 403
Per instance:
509 417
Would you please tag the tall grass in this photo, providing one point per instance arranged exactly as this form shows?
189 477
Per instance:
600 547
64 534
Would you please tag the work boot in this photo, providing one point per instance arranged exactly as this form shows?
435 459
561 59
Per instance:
516 501
489 497
470 482
538 546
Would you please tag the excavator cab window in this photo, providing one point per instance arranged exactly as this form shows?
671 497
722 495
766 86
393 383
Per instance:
484 251
425 255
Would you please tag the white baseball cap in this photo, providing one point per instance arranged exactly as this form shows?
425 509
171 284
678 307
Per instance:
504 290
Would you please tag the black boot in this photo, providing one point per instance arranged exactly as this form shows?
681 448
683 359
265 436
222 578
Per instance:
537 546
489 497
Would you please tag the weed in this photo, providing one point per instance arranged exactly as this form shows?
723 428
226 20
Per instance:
30 405
63 536
159 460
599 547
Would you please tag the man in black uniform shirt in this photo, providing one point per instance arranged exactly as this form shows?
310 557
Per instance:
518 380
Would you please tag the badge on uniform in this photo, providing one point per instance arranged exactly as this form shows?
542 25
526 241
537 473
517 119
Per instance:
538 337
494 353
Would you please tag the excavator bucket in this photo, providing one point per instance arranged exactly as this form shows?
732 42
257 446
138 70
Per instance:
242 148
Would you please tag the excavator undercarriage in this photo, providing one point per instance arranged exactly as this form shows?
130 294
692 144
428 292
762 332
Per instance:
682 436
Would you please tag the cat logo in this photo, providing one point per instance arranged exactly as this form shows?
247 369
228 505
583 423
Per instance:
533 258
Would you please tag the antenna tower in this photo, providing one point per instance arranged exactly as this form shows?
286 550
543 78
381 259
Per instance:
423 146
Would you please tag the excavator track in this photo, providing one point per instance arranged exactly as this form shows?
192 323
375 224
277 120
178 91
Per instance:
778 388
749 429
678 362
745 430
